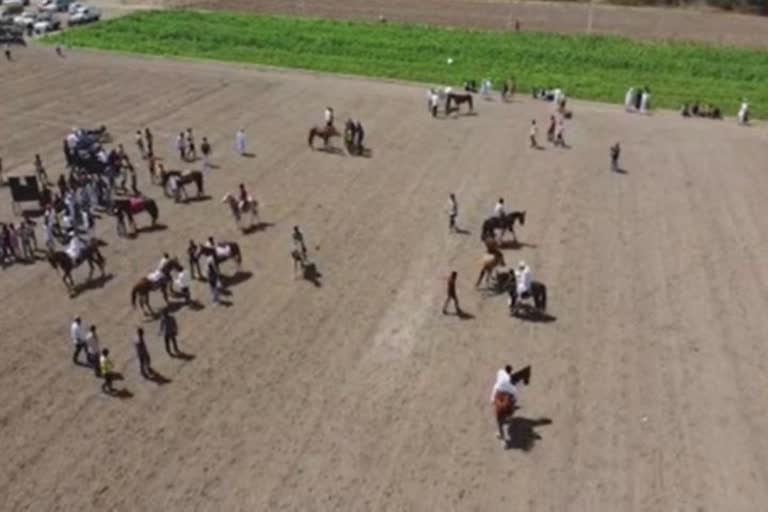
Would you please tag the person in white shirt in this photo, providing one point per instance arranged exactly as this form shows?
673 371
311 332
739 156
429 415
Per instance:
532 133
93 350
504 397
645 101
453 212
498 210
523 279
328 116
183 283
240 142
629 100
163 262
76 334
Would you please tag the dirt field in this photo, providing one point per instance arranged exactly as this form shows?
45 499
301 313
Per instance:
649 387
563 17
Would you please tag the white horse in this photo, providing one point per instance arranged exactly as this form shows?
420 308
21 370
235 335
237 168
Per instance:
239 208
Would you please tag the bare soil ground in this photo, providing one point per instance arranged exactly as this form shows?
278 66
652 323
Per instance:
562 17
649 386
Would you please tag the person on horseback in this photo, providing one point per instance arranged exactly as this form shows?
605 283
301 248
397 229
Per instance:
498 210
523 278
328 116
503 396
245 198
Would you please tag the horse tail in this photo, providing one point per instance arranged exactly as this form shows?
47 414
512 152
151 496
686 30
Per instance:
311 138
134 294
236 254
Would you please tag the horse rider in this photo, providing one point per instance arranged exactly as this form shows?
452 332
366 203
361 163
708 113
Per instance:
498 210
298 242
504 391
523 278
244 197
328 116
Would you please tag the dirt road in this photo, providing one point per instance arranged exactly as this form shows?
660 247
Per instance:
648 387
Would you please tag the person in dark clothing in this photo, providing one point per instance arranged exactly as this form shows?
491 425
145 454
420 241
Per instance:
451 294
42 176
145 362
8 52
168 330
194 260
205 149
148 137
615 152
213 279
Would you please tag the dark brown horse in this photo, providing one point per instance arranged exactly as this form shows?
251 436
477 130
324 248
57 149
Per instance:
505 223
182 178
133 205
146 285
458 99
324 132
60 260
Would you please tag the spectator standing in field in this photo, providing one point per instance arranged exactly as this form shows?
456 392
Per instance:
451 294
615 152
169 329
93 350
140 144
240 142
191 149
205 149
533 132
76 334
150 140
142 353
453 213
213 278
181 146
107 372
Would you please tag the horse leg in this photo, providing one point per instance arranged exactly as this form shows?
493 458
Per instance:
480 277
90 270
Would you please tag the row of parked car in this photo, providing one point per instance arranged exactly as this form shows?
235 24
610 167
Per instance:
46 18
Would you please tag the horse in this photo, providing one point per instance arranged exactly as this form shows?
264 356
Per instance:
145 285
538 293
61 260
504 223
252 205
223 251
324 132
488 263
182 178
505 404
459 99
135 205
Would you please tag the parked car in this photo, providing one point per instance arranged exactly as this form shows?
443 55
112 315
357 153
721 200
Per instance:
25 20
85 15
46 22
74 7
13 3
54 5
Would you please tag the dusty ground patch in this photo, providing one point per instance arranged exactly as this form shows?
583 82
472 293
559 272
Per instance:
360 395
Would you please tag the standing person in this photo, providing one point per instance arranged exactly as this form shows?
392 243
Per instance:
140 144
551 129
7 50
451 294
533 133
149 139
76 333
615 152
142 353
183 285
213 277
107 372
181 146
122 232
453 212
42 176
240 142
559 130
193 252
191 150
168 330
25 234
93 351
298 242
205 149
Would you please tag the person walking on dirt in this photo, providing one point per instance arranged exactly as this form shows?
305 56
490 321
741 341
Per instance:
181 146
615 152
298 242
191 150
532 134
140 144
107 372
453 212
451 295
205 149
142 353
149 139
240 142
76 334
168 330
93 350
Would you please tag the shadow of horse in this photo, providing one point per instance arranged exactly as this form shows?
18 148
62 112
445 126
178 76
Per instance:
515 245
239 277
522 432
96 282
197 199
332 150
259 226
531 314
151 229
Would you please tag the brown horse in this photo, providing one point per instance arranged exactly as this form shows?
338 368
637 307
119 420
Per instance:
238 209
146 285
324 132
131 206
182 178
458 99
61 260
505 404
489 262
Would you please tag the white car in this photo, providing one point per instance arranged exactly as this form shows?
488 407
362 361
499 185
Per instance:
84 15
46 22
54 5
75 6
13 3
24 20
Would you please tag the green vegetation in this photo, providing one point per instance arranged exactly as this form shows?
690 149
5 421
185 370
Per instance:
588 67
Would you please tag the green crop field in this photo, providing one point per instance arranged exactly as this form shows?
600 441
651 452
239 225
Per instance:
589 67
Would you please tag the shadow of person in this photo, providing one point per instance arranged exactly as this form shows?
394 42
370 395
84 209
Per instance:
183 356
312 275
255 228
464 315
239 277
619 170
461 231
156 377
531 314
522 432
